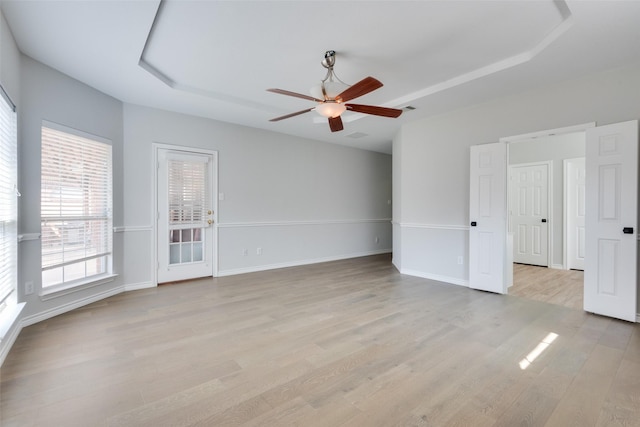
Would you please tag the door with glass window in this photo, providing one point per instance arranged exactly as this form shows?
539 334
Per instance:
186 215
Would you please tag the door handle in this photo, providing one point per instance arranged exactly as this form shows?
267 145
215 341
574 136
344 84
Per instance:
544 220
473 223
627 230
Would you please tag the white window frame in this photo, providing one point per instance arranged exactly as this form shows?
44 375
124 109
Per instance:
66 286
9 201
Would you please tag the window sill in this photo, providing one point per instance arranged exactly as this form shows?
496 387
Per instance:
69 288
8 318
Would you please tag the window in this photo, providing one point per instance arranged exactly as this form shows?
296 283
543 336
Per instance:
188 203
76 213
8 200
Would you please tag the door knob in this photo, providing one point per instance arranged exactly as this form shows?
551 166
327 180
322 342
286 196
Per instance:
210 222
544 220
209 212
473 223
627 230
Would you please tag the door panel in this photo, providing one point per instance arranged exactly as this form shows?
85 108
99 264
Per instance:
529 215
575 188
185 241
487 207
610 285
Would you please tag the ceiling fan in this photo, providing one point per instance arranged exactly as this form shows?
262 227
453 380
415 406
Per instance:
332 95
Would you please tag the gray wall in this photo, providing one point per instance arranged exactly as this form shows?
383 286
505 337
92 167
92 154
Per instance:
9 62
301 201
49 95
431 160
555 149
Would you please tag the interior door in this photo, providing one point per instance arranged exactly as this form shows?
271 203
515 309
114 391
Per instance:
529 213
185 215
610 284
576 245
487 213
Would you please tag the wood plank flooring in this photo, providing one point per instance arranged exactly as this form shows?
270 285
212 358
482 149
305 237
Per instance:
346 343
561 287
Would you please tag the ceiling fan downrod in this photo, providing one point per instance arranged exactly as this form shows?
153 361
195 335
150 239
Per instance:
331 85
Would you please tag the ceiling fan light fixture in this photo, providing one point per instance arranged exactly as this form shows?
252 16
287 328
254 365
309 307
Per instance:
330 109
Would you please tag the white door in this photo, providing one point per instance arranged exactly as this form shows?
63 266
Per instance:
185 241
529 213
487 213
610 284
575 203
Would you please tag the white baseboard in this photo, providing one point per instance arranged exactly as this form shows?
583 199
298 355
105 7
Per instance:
557 266
436 277
137 286
637 317
256 268
47 314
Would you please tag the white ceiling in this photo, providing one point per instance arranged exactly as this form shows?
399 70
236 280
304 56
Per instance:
216 58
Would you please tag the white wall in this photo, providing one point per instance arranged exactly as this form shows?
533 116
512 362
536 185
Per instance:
301 201
554 148
431 160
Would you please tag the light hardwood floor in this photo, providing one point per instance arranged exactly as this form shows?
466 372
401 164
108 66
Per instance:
347 343
561 287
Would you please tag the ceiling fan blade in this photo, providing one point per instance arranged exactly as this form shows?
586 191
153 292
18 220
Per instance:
297 113
363 87
335 123
376 111
295 94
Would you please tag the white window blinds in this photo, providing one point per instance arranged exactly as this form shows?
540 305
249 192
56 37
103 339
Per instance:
76 200
188 197
8 200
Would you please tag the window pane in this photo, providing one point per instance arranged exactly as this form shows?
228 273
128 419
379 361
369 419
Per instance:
186 252
76 204
52 277
197 252
74 271
8 201
174 254
96 266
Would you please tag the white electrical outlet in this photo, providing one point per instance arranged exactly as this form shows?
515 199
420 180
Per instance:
28 288
259 251
460 260
245 252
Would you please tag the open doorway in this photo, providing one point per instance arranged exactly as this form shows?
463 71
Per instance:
610 279
544 207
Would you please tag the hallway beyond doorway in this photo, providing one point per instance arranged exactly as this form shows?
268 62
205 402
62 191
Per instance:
559 287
